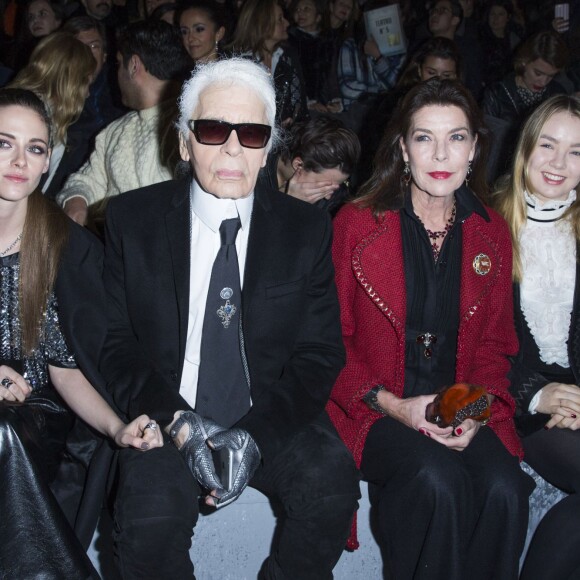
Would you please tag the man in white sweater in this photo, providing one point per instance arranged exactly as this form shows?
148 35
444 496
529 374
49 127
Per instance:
141 147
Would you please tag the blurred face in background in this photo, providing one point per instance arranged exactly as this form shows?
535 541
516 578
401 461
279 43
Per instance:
93 39
340 10
199 34
498 20
98 9
537 74
41 18
435 66
306 16
280 30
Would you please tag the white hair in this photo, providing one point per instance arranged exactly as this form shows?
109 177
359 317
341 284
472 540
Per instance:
229 72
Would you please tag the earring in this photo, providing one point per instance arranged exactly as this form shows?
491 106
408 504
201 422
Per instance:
406 174
217 45
468 174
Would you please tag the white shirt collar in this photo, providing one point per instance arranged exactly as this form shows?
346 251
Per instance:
548 205
212 210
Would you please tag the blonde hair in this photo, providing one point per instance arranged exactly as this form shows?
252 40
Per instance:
59 71
509 198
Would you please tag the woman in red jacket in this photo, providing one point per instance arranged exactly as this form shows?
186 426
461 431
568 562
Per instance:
423 271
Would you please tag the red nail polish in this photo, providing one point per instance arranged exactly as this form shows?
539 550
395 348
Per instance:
458 432
422 431
573 416
546 427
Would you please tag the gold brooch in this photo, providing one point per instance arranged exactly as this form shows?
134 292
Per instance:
482 264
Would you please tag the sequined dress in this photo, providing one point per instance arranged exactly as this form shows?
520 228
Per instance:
52 349
32 438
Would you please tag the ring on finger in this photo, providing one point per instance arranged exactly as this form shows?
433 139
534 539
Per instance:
6 382
151 425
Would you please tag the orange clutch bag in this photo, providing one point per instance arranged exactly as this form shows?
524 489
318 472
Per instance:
458 402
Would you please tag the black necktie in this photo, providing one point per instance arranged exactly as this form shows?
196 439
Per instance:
223 393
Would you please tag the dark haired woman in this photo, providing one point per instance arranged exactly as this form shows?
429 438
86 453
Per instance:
423 272
50 338
203 27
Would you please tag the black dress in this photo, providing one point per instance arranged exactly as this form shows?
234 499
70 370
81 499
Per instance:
38 541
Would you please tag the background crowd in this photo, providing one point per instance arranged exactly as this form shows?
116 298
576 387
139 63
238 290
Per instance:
510 54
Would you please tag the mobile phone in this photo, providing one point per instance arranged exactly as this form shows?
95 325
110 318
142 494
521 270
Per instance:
562 11
223 460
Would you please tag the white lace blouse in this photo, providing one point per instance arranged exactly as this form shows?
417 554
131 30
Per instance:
548 252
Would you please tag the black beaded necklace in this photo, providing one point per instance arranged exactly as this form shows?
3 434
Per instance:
434 236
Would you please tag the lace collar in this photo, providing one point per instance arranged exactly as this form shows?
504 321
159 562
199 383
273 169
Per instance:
548 211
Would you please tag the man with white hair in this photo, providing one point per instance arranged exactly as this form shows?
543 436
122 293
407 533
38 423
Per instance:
224 326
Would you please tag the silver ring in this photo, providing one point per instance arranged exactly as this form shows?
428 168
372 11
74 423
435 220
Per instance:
6 382
151 425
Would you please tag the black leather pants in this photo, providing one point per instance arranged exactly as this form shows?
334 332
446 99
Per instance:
37 541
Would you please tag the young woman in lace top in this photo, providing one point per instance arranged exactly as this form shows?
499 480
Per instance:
539 202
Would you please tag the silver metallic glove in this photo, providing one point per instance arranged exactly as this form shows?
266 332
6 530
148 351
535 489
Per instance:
195 451
244 457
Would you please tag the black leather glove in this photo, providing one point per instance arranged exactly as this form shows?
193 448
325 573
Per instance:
195 451
245 458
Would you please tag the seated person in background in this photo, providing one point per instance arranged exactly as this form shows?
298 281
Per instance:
184 260
98 110
539 201
60 71
51 330
140 148
43 17
305 37
338 22
364 72
508 102
445 17
316 164
202 24
261 34
498 40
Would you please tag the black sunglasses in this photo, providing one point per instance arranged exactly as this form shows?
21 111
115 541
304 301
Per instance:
213 132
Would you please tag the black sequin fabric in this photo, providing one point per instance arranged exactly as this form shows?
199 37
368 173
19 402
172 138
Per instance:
52 348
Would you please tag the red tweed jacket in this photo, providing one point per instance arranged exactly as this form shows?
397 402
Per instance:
368 258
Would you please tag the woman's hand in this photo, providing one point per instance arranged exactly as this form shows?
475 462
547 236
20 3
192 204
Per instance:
411 412
462 435
13 387
141 433
560 399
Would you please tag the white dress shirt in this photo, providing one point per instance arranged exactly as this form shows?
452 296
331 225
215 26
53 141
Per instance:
207 214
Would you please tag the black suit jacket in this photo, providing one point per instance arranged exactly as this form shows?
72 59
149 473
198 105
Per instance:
290 311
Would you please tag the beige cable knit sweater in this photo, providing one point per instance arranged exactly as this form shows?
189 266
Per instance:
139 149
